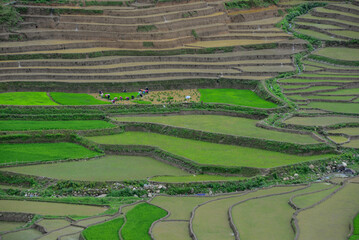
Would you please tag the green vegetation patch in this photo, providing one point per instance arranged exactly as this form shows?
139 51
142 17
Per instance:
75 99
139 221
336 107
108 168
331 218
47 208
25 98
146 28
18 125
9 17
104 231
207 153
222 124
341 53
234 96
320 121
194 178
355 235
37 152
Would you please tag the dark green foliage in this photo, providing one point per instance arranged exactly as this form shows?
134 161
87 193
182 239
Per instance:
148 44
103 3
194 34
146 28
9 17
246 4
17 179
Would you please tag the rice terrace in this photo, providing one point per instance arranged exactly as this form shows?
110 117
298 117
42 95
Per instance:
179 119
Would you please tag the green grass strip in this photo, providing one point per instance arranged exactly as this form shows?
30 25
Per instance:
37 152
139 221
208 153
235 96
105 231
76 99
18 125
333 61
355 235
25 98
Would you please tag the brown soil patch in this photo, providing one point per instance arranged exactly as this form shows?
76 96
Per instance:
162 97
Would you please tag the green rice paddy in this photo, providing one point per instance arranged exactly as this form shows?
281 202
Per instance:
268 218
336 107
53 224
47 208
320 121
312 89
341 53
207 153
310 199
9 226
171 230
19 125
234 96
139 220
349 91
108 168
348 131
75 99
211 219
104 231
25 98
331 218
28 234
317 35
338 139
223 124
38 152
352 144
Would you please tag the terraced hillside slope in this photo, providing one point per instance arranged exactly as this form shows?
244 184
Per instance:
179 120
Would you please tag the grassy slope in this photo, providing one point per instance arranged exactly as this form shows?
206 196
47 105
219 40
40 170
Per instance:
25 98
211 220
105 231
108 168
268 218
234 96
320 121
33 152
139 221
76 99
330 219
47 208
207 153
16 125
223 124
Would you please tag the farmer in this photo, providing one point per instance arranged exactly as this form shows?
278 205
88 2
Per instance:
132 97
108 96
127 98
113 101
